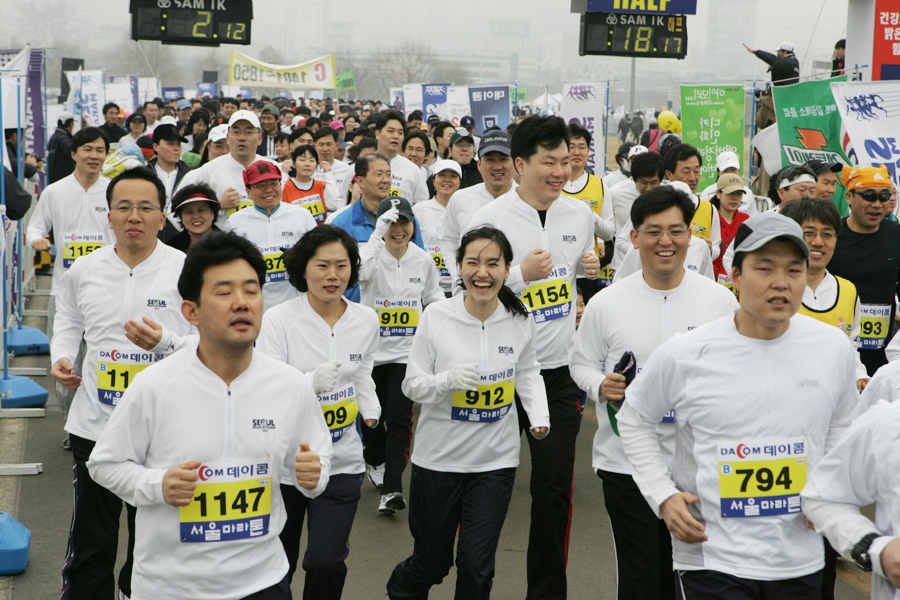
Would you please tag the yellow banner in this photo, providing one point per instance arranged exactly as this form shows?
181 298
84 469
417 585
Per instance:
249 72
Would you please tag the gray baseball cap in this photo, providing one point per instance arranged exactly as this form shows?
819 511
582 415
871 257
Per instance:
762 228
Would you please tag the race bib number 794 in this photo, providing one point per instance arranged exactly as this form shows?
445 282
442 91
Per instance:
761 478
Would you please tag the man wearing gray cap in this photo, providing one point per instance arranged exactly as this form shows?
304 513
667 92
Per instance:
747 438
496 167
783 64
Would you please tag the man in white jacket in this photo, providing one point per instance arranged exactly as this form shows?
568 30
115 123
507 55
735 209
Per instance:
134 279
636 315
745 439
200 442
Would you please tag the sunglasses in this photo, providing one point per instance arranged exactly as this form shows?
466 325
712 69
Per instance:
873 196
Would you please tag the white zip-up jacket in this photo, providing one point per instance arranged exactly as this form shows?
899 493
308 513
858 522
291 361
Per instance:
398 291
78 218
96 297
746 439
429 215
632 316
273 234
407 179
220 174
568 233
341 176
861 469
455 223
884 385
294 333
244 434
450 435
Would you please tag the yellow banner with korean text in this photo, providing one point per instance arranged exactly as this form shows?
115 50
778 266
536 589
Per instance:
249 72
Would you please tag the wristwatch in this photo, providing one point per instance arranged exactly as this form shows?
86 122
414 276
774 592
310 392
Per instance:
860 552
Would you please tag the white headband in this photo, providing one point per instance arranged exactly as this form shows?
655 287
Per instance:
801 178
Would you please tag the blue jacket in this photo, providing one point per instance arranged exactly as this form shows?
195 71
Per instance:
354 222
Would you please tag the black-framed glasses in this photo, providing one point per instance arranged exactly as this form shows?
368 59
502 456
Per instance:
870 196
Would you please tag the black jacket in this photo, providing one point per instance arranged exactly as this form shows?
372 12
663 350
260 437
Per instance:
13 154
785 69
18 201
181 168
181 240
113 133
59 155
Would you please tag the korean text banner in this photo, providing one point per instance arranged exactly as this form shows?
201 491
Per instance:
871 112
249 72
712 118
490 107
809 127
434 99
93 97
412 97
458 103
584 104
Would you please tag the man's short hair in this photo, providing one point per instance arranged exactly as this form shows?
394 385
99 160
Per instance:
416 135
679 153
389 115
841 44
322 132
88 135
577 131
547 132
313 121
295 134
805 209
648 164
216 248
144 173
232 101
296 259
282 137
660 199
362 165
110 105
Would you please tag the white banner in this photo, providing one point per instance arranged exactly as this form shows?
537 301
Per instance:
93 97
148 89
246 71
584 104
14 75
412 98
121 94
458 103
397 99
870 112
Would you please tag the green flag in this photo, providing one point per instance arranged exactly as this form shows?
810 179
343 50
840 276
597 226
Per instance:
346 81
712 120
521 94
809 126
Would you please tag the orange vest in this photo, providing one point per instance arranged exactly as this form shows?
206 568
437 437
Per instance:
312 199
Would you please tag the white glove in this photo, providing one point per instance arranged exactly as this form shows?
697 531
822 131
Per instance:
384 222
464 377
325 377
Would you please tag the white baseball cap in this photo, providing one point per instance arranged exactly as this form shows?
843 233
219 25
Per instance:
443 165
244 115
218 133
635 150
727 160
168 120
786 46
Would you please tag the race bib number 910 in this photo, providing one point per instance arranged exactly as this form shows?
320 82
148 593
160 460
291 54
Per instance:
397 318
761 478
233 501
490 402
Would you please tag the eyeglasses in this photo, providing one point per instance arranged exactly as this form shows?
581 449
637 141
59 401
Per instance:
656 234
145 208
249 131
826 236
417 150
870 196
271 184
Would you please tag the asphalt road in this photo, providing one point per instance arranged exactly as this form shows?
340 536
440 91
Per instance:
44 504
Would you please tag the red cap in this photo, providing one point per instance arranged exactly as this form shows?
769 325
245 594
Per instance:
260 171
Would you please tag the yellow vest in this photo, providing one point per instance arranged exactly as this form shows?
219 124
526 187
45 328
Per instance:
593 193
841 314
701 225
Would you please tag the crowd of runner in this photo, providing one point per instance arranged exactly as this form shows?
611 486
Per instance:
249 297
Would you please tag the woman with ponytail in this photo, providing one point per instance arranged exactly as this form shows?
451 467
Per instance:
472 361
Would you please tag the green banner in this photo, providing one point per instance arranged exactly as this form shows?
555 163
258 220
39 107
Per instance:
809 127
712 120
346 81
520 94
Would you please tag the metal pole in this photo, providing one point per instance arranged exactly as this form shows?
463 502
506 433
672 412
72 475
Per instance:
605 127
631 101
3 228
16 245
749 164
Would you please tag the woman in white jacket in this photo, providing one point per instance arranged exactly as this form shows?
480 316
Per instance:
333 341
471 357
397 279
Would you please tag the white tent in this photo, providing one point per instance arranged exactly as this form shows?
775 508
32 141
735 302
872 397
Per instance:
544 102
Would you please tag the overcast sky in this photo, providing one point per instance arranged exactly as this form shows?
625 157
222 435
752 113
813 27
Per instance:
302 27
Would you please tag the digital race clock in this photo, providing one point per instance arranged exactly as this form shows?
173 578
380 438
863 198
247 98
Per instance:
627 34
192 22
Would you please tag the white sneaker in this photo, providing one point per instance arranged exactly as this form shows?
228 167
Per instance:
376 475
391 503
